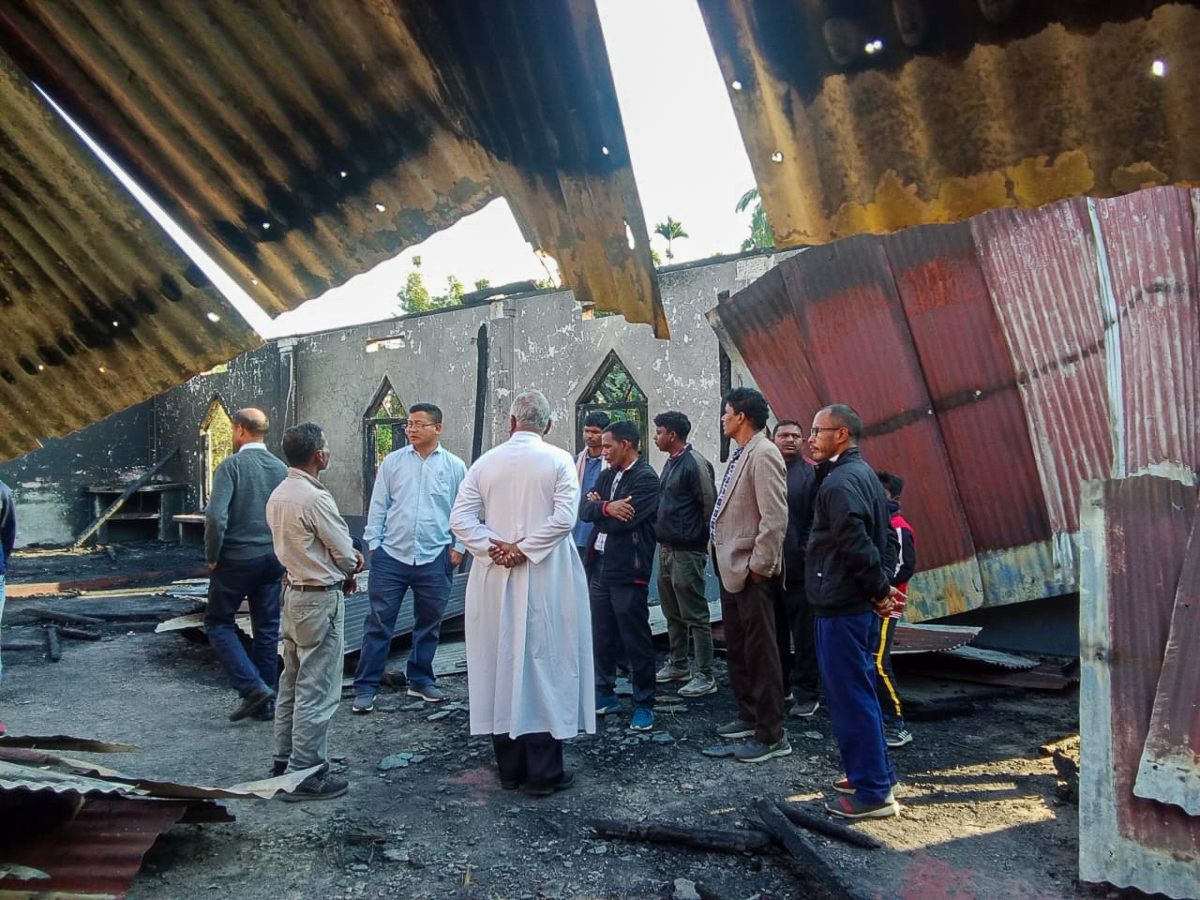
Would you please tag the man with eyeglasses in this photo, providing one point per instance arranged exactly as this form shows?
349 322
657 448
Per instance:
408 531
850 557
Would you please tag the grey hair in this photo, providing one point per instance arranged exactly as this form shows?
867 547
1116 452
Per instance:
531 409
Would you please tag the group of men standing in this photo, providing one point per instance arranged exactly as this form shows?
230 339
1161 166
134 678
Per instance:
804 557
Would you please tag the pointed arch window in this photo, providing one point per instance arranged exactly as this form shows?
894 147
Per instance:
614 390
216 432
383 432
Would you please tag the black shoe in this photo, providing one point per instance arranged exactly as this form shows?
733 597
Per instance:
279 767
545 790
318 786
252 703
267 713
509 785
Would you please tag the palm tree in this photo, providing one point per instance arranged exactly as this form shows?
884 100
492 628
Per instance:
671 230
761 236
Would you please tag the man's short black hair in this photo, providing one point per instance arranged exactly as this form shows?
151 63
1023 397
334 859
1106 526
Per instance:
624 430
893 484
783 422
301 443
597 418
674 421
749 403
845 417
434 412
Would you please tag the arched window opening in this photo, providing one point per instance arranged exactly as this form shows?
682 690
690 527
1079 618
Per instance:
216 431
614 390
383 432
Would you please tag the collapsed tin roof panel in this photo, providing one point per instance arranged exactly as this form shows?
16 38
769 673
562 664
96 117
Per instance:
997 364
98 308
875 115
302 144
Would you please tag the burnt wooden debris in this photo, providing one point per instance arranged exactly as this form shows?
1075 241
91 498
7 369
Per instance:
120 501
720 840
822 824
807 856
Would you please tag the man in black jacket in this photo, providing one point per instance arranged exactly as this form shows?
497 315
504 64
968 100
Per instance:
851 554
624 507
685 503
794 634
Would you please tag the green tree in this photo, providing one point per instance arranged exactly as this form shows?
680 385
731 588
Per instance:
672 231
761 236
415 296
482 284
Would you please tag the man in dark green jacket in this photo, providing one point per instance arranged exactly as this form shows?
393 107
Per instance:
685 503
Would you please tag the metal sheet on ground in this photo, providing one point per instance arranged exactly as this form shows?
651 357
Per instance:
1169 770
1133 536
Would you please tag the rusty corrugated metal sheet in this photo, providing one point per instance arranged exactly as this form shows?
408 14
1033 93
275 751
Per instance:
98 853
1169 770
98 308
301 144
1134 534
997 364
1156 293
959 107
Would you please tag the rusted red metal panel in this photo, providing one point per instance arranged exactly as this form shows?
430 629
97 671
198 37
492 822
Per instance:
1170 763
1041 270
98 852
1134 535
969 372
1149 240
860 352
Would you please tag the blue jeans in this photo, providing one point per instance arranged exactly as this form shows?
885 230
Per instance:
845 655
389 582
1 619
258 581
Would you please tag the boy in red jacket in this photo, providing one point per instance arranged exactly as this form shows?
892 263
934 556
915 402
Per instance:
894 732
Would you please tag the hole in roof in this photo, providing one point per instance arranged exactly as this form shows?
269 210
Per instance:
629 236
213 317
103 370
116 324
266 225
381 207
736 85
777 157
604 150
874 46
1158 67
342 173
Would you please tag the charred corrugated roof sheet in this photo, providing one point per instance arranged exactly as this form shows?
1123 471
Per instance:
873 115
304 143
98 308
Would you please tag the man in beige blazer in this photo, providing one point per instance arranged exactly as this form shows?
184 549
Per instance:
748 526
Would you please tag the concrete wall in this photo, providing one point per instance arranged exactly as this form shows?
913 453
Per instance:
537 340
252 379
48 484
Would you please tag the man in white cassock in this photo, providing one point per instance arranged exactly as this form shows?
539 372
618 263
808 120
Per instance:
528 622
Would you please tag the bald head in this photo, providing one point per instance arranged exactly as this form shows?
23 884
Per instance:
249 424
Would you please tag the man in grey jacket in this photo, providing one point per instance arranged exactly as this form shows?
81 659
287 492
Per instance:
237 545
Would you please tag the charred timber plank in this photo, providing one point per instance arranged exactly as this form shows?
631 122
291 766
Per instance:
803 851
53 647
826 826
78 634
62 618
120 501
724 841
